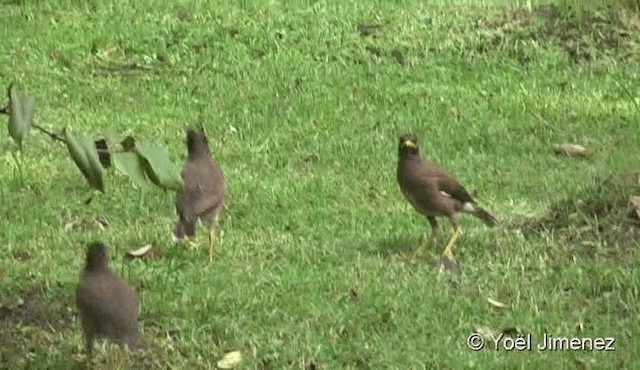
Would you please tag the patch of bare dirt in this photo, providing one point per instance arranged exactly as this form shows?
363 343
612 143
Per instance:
603 213
28 321
585 35
31 308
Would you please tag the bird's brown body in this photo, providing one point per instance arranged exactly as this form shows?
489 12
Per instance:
108 307
203 192
433 192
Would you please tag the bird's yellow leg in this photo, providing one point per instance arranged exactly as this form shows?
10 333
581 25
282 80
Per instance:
454 236
420 250
191 242
212 243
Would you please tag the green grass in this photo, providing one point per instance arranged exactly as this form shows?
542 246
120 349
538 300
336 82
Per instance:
303 114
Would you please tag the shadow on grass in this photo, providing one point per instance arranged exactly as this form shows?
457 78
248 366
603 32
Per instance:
32 318
599 218
399 246
585 35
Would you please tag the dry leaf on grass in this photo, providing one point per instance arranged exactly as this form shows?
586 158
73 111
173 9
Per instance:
495 303
230 361
142 252
570 150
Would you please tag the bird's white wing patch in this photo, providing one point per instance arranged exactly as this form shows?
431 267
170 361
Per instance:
468 207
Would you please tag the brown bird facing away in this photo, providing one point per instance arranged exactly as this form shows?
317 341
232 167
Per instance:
108 307
434 193
202 196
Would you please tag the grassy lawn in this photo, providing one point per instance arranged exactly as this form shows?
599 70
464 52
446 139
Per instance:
303 105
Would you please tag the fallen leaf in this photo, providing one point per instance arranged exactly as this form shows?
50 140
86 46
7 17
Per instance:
570 150
141 252
495 303
230 361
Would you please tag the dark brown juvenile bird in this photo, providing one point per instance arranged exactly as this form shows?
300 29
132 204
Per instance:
108 307
433 193
202 196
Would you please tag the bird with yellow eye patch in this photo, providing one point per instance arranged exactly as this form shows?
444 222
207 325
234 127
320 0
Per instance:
202 196
434 193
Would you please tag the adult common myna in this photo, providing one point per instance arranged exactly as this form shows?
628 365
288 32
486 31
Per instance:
108 308
202 196
433 193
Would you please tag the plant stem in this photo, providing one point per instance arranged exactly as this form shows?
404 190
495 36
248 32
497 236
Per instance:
51 134
58 137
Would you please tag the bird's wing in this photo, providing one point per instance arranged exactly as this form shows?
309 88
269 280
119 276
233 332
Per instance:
184 199
434 175
451 187
100 294
91 295
419 182
200 192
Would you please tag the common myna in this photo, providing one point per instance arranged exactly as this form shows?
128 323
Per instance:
433 193
108 307
202 196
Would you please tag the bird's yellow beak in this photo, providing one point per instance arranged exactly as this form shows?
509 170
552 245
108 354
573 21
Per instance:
409 144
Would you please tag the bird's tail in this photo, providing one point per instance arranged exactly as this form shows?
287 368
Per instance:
480 213
485 216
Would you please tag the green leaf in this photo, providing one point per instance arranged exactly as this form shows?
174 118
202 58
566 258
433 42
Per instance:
85 155
131 165
159 168
21 111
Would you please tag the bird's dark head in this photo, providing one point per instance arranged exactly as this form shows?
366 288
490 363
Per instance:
197 142
96 256
408 144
